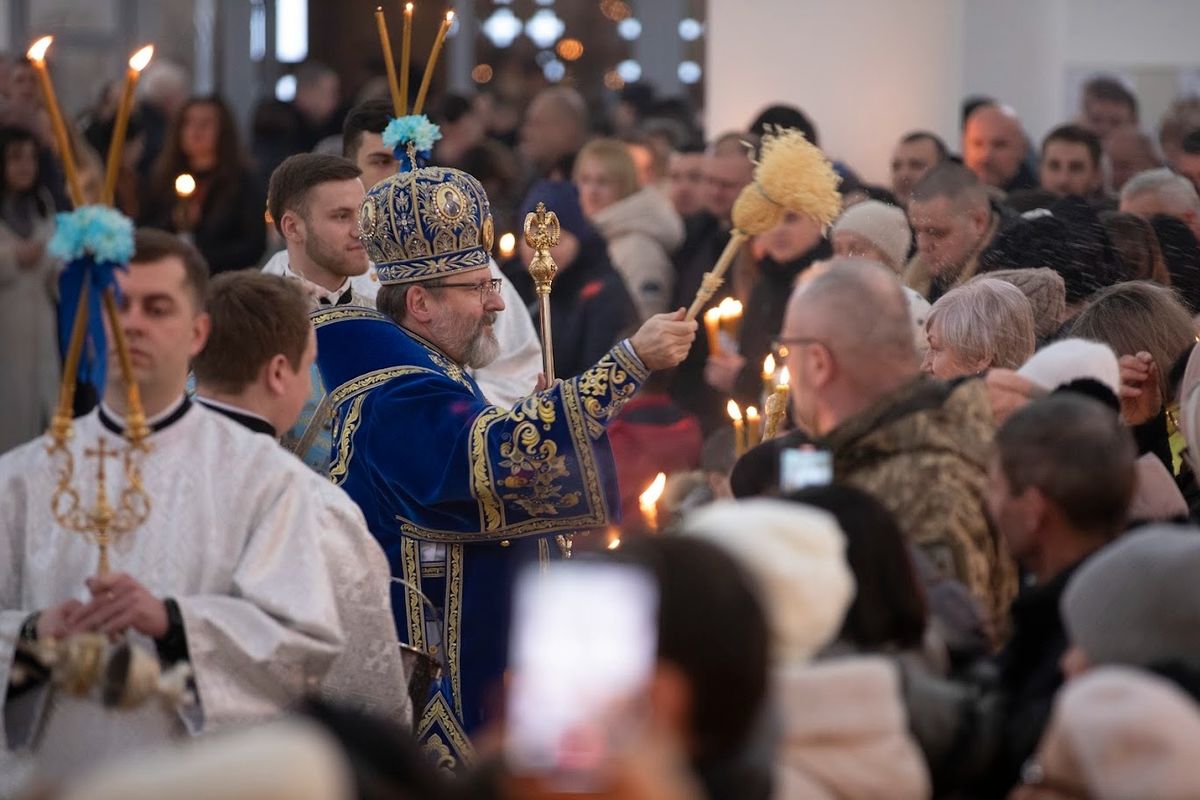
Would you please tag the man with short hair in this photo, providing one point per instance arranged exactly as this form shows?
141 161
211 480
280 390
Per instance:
201 580
555 127
954 221
1107 105
1129 152
917 444
1161 191
362 141
916 154
1059 488
1070 162
255 369
1187 162
685 180
313 200
994 148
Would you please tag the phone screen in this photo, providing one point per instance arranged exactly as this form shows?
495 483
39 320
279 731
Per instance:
800 467
584 641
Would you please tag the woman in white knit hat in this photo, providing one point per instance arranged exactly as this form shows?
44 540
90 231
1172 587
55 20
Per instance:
880 232
876 231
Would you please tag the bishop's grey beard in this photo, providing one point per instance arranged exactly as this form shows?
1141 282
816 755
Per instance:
483 348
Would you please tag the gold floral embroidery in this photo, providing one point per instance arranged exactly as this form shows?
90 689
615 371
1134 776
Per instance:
454 592
412 597
484 490
438 753
437 712
534 467
345 442
453 371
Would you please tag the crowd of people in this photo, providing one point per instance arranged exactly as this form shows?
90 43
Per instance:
989 594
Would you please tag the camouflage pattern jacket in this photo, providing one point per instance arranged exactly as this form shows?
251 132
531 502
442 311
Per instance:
923 451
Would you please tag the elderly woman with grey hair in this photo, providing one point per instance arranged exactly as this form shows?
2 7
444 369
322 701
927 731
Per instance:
982 324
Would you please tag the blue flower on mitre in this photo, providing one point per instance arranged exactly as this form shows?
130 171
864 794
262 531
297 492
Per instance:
415 130
94 241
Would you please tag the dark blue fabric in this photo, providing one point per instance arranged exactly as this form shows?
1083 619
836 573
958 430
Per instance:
428 460
86 275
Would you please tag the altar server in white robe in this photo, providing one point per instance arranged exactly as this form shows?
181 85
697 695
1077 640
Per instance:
227 572
255 370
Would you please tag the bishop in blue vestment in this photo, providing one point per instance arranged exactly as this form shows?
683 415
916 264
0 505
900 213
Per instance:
460 493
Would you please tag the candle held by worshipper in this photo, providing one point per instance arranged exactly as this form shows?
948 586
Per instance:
731 323
777 405
185 187
739 427
712 327
753 427
508 245
648 501
116 148
768 375
37 56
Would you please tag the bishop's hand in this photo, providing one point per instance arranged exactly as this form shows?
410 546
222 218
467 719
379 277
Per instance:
118 603
664 340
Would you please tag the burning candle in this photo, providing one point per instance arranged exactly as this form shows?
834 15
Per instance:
185 187
116 148
731 321
612 538
777 404
712 327
753 427
389 63
508 245
648 501
427 78
37 57
405 56
768 375
739 428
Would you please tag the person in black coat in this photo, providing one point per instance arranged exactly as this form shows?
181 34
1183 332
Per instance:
590 308
787 250
225 214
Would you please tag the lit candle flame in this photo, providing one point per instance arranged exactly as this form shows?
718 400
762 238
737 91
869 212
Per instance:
185 184
649 498
408 8
449 16
614 544
751 414
713 314
508 244
784 377
37 51
769 366
733 410
139 60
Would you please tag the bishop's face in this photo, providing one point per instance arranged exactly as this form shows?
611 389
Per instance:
464 313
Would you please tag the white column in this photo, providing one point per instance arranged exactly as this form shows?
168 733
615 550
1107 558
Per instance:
659 49
865 71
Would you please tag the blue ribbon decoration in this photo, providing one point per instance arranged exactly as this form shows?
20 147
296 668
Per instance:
94 241
87 275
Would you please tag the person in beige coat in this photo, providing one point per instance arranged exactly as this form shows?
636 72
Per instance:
639 225
28 287
844 728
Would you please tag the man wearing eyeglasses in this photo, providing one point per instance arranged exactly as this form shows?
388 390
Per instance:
462 493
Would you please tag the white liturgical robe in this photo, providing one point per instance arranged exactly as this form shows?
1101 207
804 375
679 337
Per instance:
233 535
